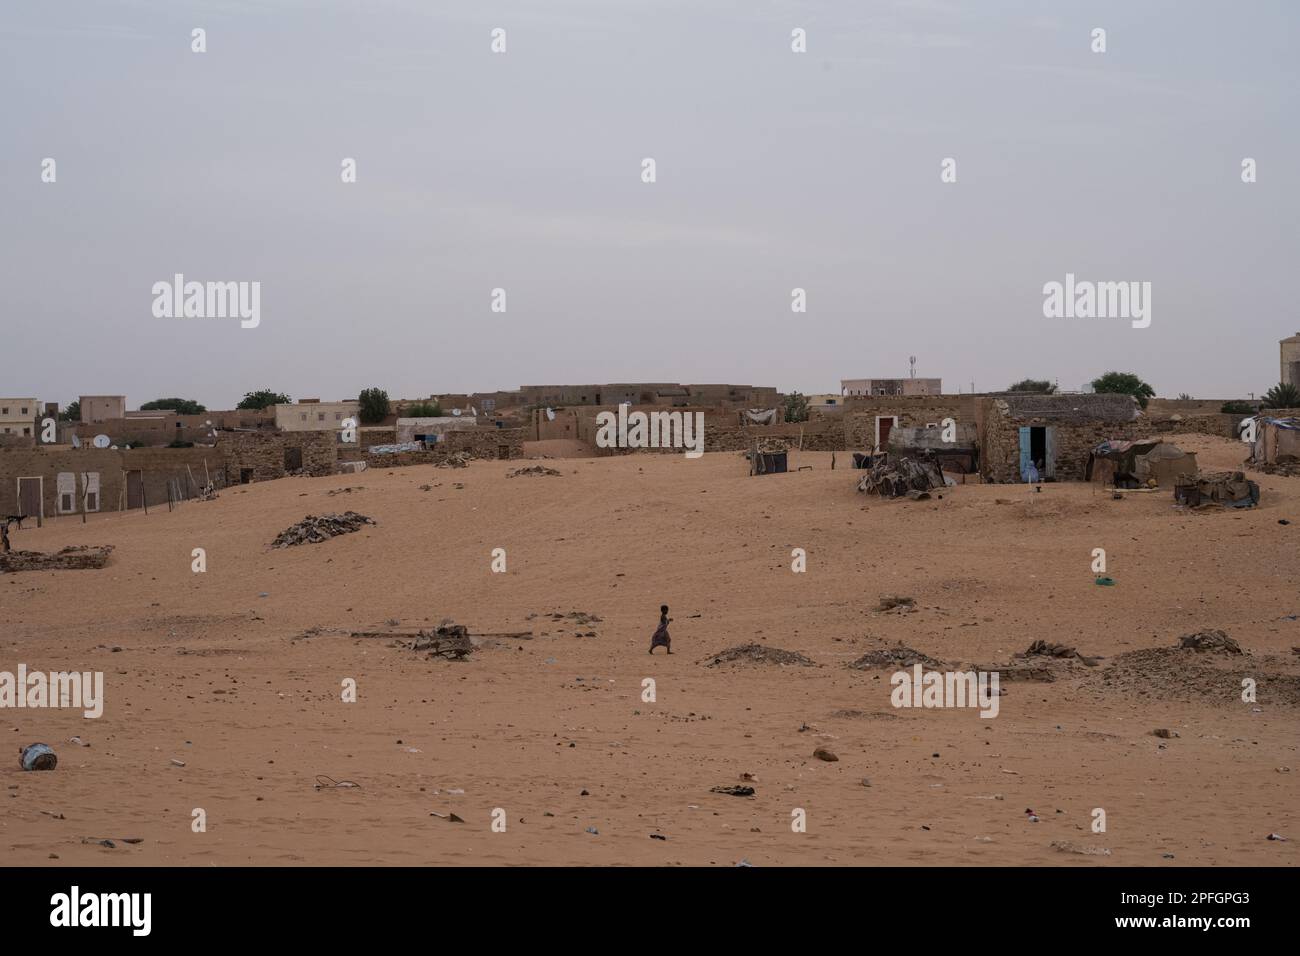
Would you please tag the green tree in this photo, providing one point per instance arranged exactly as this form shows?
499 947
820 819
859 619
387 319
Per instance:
796 407
374 405
1281 395
71 412
1184 397
1238 408
1040 385
182 406
423 410
1124 383
262 398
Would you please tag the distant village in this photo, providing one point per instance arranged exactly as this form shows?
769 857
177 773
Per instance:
98 455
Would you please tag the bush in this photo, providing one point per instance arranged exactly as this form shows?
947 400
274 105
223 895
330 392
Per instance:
1124 383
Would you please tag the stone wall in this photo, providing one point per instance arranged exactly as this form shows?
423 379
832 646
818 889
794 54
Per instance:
261 455
485 443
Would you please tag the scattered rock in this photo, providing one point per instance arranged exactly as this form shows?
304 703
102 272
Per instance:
1164 733
760 654
1066 846
734 790
534 470
890 601
825 753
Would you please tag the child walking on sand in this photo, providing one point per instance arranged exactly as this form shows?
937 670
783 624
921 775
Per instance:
661 633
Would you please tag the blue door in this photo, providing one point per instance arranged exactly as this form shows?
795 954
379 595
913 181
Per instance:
1024 452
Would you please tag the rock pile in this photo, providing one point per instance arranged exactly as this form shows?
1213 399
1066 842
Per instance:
457 459
313 529
1211 641
898 656
535 470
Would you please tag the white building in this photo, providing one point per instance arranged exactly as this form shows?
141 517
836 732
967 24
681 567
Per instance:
312 415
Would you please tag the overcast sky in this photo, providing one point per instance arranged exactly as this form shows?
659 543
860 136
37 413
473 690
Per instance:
522 171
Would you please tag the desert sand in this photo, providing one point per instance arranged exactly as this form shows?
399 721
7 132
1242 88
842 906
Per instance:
237 673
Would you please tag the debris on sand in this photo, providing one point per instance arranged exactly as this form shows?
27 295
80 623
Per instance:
1041 648
345 491
734 790
37 757
899 656
1212 641
534 470
901 476
825 753
1065 846
1164 733
313 529
759 654
458 459
79 557
896 602
448 641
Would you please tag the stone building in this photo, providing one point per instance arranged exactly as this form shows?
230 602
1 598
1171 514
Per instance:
1057 430
311 414
1290 355
890 386
264 455
19 416
97 408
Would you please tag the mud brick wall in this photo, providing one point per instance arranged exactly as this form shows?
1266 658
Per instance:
264 453
158 466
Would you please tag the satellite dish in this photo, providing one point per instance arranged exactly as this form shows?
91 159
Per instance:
76 442
455 411
102 441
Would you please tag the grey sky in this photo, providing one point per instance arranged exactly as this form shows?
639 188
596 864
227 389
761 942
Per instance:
522 171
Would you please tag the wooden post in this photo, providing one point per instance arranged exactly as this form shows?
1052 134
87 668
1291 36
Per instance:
144 492
194 486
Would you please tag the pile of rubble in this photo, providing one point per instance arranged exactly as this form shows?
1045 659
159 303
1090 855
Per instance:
457 459
1041 648
535 470
894 478
759 654
898 656
449 641
1211 641
313 529
77 558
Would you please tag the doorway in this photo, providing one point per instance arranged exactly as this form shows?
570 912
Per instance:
884 425
31 497
293 459
1037 444
135 489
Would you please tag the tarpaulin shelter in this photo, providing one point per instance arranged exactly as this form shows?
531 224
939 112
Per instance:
1277 443
1141 463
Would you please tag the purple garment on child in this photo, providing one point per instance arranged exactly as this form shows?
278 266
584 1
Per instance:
660 636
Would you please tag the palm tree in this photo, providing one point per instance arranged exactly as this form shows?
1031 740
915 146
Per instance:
1282 395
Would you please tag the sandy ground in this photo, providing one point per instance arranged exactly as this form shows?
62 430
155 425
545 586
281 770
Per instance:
211 669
